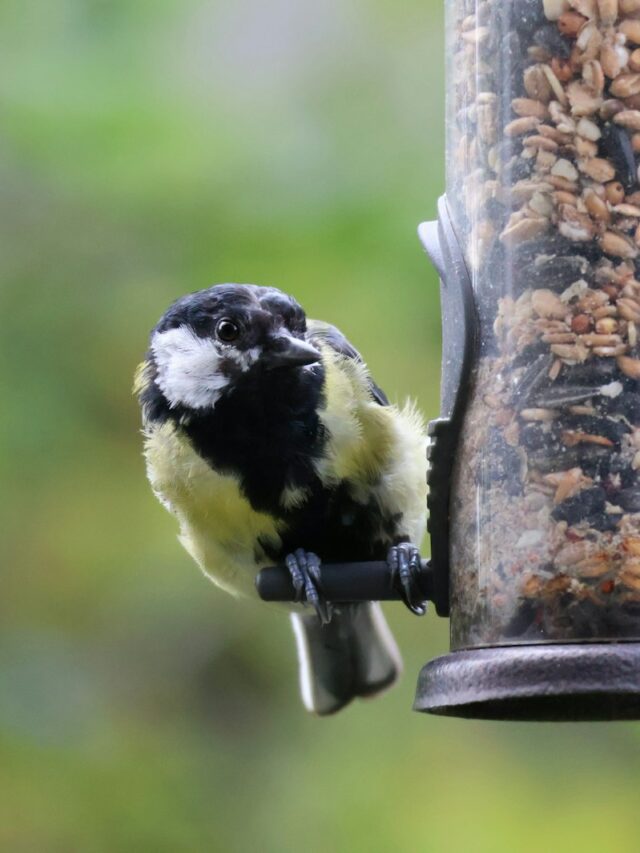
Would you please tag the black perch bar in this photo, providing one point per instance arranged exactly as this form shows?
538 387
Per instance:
344 582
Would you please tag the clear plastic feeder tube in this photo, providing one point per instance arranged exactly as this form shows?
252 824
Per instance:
543 147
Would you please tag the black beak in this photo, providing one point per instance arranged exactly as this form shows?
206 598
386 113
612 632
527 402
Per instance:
287 351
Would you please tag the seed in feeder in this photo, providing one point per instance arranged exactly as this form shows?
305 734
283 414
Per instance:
536 84
631 544
634 60
529 107
629 210
628 7
584 101
631 29
541 204
628 309
570 23
574 225
608 10
538 414
617 246
520 126
593 76
546 304
554 83
596 206
613 59
617 146
541 143
581 324
614 192
597 340
523 230
607 326
598 169
570 353
629 366
565 169
625 85
589 129
628 118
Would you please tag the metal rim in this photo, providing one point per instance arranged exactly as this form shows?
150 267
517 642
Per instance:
576 682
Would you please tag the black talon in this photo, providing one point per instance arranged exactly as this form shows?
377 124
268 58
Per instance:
404 562
304 569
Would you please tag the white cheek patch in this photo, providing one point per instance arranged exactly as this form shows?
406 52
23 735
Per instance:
188 368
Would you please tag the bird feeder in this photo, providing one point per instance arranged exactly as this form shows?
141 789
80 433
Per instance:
537 248
535 460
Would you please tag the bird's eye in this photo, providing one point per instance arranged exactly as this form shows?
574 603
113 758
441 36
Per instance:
227 330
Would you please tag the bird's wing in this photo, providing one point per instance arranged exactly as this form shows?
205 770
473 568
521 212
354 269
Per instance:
325 333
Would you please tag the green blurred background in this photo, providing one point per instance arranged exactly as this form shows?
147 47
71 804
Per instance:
149 149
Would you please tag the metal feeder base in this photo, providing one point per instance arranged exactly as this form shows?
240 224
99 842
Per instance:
585 681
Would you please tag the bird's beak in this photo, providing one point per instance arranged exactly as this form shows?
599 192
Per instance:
287 351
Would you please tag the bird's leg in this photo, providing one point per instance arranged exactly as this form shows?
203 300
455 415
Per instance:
404 562
304 568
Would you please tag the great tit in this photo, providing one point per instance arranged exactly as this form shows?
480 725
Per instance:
266 437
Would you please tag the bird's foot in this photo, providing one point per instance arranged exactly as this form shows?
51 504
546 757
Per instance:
404 562
304 568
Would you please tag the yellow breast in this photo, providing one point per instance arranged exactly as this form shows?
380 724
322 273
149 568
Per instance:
218 526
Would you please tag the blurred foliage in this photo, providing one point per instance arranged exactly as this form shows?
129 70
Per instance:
149 149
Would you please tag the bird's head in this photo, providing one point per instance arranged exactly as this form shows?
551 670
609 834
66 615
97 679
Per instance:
207 341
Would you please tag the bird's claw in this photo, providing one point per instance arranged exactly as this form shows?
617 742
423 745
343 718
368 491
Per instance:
404 562
304 568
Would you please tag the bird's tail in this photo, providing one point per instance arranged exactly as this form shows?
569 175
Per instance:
354 655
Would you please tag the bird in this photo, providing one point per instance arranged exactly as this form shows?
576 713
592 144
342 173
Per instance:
267 438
